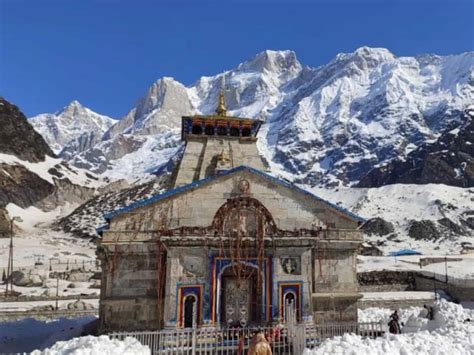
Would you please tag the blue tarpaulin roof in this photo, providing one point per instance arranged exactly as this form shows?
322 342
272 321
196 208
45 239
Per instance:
404 252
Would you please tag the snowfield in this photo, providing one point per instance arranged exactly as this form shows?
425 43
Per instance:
450 333
96 346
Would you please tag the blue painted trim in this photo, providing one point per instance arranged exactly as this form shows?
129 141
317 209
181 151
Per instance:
196 184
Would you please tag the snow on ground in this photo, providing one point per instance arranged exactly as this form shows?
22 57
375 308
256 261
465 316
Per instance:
29 334
458 271
96 345
75 175
382 315
402 203
450 333
33 218
36 250
445 341
45 244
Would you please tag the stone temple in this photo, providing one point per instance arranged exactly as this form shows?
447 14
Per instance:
228 245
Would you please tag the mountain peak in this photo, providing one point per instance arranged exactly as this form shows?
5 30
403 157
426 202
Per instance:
69 123
75 103
72 107
367 54
271 60
366 50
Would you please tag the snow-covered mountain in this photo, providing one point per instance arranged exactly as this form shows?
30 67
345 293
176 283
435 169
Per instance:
328 125
32 180
69 124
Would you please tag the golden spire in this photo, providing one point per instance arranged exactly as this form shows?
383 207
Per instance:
221 110
223 158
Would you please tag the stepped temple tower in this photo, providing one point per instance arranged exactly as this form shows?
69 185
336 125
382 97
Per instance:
228 245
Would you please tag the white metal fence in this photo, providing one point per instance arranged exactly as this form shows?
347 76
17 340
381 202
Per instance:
283 339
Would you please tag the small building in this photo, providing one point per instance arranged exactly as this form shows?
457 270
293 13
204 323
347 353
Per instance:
227 240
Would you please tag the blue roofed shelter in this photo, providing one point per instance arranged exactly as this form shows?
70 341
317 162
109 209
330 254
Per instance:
403 252
227 245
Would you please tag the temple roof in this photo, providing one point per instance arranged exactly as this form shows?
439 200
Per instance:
197 184
188 122
219 124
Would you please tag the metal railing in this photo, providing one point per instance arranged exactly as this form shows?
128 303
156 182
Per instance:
283 339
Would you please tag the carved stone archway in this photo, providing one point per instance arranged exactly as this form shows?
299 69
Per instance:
244 216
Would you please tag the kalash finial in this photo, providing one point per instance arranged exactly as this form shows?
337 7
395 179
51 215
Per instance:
221 110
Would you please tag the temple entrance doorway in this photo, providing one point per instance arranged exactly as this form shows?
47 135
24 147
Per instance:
241 301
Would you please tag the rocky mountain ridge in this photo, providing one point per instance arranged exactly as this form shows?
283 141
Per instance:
324 126
448 160
17 137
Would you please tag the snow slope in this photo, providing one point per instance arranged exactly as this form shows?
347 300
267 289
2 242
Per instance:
327 125
60 128
44 170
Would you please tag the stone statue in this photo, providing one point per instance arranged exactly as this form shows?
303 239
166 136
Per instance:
289 265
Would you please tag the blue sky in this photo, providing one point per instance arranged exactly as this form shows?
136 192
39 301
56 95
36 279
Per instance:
107 53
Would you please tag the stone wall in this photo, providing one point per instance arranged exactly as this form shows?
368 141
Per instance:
334 309
129 293
379 281
335 271
200 156
335 290
395 304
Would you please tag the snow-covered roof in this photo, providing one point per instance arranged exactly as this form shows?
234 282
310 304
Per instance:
196 184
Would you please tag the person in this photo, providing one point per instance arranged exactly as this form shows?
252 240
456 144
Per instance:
394 324
259 345
430 312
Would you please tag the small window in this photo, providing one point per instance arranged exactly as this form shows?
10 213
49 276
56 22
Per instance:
197 129
246 132
234 131
222 130
209 130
